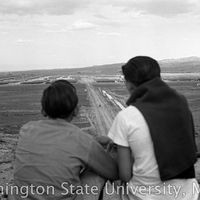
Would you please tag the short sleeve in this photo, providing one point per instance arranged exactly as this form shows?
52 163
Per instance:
118 131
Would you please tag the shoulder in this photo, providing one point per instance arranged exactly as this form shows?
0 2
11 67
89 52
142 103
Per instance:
81 137
130 119
78 132
28 129
180 98
126 119
85 136
29 125
35 124
129 113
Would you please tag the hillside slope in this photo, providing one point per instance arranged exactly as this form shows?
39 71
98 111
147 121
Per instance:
183 65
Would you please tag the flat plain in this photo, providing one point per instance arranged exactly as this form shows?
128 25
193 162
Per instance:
21 103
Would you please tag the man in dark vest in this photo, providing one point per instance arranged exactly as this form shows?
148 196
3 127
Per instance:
154 136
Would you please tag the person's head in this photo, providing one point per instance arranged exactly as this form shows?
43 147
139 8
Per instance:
59 100
139 70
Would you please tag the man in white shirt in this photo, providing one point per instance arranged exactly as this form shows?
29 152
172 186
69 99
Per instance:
151 134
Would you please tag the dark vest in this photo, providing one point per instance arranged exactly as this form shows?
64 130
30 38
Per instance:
171 127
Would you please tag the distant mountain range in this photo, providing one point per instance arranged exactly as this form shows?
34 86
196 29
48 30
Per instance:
186 59
184 65
181 65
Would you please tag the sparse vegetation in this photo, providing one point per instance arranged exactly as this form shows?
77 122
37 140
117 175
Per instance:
20 103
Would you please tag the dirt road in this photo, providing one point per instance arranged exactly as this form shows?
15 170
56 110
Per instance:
104 113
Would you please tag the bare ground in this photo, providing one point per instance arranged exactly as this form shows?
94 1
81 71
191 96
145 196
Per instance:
101 116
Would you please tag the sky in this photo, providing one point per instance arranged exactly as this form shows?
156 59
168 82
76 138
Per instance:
42 34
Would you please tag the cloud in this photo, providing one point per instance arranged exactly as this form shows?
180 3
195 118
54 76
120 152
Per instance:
110 22
3 32
82 25
23 41
57 31
163 8
116 34
51 7
49 25
76 26
100 16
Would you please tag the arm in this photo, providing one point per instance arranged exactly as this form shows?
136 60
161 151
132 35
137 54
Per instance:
119 133
101 162
125 163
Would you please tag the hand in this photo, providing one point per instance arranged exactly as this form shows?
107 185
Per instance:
106 142
108 145
103 140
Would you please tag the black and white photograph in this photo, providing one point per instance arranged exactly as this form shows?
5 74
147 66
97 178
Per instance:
99 100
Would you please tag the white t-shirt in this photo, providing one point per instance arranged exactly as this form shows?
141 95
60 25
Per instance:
130 129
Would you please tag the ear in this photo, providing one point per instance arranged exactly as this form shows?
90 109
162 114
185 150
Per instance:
76 111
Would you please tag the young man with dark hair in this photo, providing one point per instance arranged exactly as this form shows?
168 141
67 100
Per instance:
52 153
59 100
154 136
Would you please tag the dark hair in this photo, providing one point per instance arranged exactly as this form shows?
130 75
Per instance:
140 69
59 99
